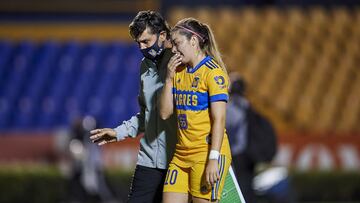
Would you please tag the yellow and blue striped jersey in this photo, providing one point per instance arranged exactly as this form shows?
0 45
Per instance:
193 90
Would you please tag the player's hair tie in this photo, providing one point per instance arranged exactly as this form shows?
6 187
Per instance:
193 32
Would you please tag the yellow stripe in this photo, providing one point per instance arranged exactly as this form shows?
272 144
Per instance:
64 31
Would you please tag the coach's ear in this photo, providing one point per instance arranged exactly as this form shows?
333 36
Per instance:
162 36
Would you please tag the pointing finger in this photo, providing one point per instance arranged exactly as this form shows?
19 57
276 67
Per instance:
97 136
96 131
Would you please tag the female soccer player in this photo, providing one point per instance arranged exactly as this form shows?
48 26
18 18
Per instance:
196 89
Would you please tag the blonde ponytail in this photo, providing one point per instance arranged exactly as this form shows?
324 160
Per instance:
211 48
207 43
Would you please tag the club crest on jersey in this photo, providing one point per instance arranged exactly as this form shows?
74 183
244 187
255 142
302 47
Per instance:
195 82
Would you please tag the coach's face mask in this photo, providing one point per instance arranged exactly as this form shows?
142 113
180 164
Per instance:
154 51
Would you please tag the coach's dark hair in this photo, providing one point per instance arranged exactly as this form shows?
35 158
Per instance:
150 19
206 37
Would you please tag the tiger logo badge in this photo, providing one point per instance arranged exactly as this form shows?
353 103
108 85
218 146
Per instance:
195 82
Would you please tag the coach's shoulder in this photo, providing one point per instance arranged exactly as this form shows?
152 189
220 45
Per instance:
144 66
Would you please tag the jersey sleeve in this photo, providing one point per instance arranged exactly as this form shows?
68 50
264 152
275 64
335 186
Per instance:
217 83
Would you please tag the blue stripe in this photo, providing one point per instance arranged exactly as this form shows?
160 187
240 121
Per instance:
192 70
222 167
217 183
210 65
219 97
213 193
221 171
202 100
214 64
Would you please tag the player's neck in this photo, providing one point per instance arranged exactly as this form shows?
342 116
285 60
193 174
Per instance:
197 59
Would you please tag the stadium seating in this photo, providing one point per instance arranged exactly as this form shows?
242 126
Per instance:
48 84
301 65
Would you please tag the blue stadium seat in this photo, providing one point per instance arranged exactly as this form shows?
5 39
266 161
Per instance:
20 65
5 53
58 87
6 107
49 84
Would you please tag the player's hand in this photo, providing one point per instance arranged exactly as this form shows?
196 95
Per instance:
212 172
103 136
174 62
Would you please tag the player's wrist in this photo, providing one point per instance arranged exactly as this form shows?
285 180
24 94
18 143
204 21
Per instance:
168 80
214 155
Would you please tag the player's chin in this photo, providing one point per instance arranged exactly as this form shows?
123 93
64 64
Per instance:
184 60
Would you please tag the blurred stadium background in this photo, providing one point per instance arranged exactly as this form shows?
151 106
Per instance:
61 60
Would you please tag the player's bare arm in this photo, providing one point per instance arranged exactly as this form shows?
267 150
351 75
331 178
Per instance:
218 113
166 99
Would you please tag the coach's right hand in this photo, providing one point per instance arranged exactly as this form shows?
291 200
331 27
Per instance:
103 136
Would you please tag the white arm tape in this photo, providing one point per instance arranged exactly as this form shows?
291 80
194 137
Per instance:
214 155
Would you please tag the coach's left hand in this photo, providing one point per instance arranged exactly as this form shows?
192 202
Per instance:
103 136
